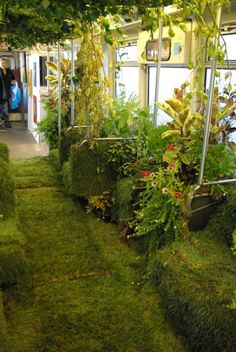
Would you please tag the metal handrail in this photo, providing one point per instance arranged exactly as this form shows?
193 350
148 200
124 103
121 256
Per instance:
107 139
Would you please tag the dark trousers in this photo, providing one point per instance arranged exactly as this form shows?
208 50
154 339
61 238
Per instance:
4 111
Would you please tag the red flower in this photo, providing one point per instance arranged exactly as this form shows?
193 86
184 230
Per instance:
144 173
177 195
171 165
170 147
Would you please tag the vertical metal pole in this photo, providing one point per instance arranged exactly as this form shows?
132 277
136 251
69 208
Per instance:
210 102
59 89
48 59
72 103
157 86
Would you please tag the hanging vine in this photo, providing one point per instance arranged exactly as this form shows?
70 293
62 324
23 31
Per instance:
92 98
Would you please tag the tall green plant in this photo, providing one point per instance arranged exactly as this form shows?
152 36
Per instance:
49 124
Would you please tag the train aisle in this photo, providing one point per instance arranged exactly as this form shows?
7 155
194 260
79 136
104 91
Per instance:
86 291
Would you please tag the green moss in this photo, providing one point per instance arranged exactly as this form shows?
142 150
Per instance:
222 224
4 153
197 282
4 346
35 172
7 194
87 291
13 263
88 172
68 138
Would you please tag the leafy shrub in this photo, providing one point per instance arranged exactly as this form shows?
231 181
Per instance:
162 210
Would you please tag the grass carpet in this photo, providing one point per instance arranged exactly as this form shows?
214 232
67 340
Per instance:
86 291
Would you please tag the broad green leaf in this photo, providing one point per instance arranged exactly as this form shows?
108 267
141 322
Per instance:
186 158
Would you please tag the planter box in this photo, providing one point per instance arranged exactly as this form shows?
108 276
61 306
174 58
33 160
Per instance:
202 207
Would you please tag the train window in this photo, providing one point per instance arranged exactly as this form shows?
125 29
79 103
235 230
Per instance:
226 82
170 78
127 80
127 77
43 70
229 40
127 53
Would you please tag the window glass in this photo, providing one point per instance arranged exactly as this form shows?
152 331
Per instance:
127 80
170 78
230 41
126 54
43 70
225 78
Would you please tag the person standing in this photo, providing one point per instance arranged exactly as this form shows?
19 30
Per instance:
6 80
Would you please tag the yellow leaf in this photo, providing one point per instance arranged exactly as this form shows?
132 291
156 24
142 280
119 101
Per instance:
170 133
175 104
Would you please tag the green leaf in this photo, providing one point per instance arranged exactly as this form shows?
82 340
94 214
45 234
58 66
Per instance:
186 158
45 3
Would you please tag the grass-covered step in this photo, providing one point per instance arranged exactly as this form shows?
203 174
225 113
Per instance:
69 137
13 263
197 281
7 194
4 152
88 173
33 173
86 291
223 224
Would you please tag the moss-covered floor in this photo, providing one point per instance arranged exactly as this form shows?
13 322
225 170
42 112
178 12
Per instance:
86 290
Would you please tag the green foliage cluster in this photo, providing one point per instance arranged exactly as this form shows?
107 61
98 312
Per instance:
25 23
197 282
101 205
162 207
124 117
49 125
